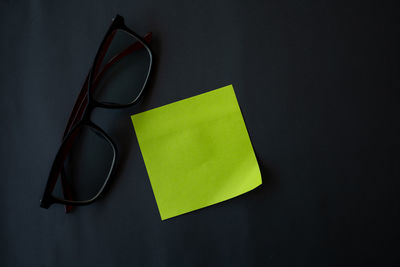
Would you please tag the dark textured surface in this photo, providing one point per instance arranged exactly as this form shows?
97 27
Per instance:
317 83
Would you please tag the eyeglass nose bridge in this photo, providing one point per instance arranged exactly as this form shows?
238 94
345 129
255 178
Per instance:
88 111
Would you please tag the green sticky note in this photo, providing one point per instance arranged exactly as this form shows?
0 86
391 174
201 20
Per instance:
197 152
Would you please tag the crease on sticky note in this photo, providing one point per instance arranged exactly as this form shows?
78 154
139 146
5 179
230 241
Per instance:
197 152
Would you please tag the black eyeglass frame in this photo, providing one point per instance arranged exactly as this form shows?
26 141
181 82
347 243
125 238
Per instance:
57 167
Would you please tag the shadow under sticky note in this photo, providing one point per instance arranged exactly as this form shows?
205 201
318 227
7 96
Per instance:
197 152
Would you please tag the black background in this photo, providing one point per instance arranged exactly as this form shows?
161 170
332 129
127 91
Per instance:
317 82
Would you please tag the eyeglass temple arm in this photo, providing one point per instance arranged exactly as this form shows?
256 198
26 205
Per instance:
80 103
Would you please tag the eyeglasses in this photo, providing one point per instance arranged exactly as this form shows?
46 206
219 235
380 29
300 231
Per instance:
87 156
